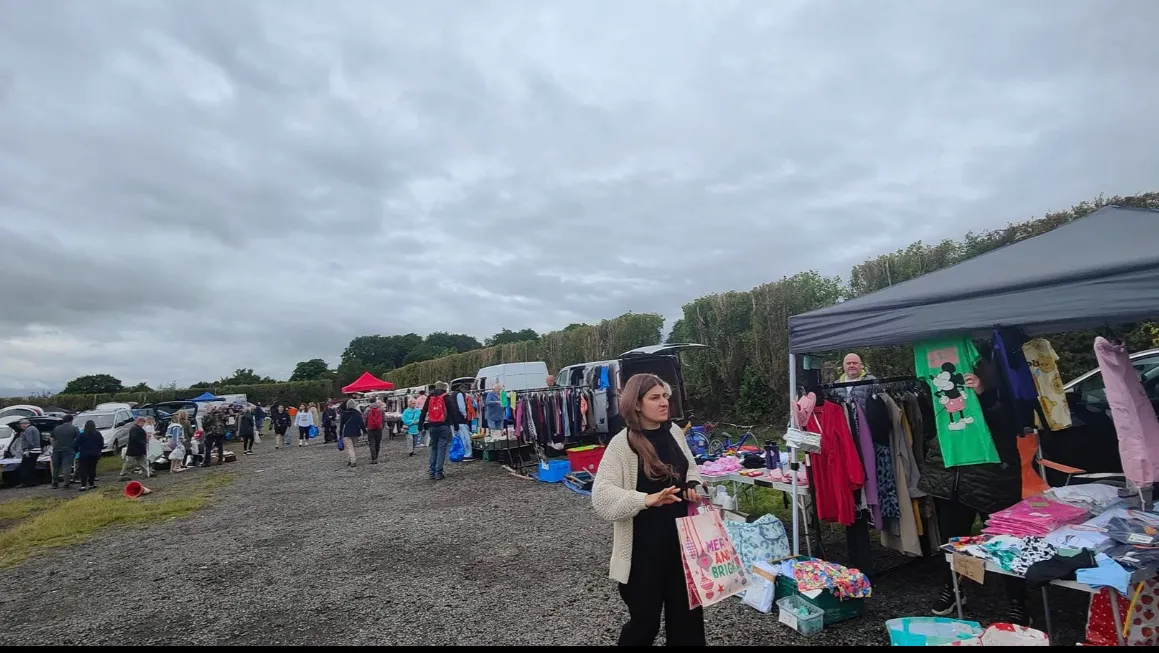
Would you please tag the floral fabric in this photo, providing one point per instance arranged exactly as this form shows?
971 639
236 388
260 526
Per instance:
844 583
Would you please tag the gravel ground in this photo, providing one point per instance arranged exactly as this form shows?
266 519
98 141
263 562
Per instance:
300 550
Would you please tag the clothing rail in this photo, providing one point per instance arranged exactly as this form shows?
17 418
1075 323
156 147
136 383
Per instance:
860 382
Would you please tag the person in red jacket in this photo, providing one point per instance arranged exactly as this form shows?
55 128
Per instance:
374 425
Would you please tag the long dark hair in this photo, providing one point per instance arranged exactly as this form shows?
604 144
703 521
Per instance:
91 429
631 397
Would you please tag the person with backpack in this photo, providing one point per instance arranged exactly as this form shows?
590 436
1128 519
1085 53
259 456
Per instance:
374 425
437 420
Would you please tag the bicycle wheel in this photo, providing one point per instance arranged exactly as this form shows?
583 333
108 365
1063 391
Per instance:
715 447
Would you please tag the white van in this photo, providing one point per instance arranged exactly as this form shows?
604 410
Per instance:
513 376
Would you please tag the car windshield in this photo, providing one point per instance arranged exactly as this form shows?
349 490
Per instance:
102 420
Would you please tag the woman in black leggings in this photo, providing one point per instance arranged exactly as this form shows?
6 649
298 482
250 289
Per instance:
245 429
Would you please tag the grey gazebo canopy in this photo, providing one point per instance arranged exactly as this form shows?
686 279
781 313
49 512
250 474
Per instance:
1097 270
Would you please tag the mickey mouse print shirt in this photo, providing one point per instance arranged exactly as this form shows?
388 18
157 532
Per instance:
962 432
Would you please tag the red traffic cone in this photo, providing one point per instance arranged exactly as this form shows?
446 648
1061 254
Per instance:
134 490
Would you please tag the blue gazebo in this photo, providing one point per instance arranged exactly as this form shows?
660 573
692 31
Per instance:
207 396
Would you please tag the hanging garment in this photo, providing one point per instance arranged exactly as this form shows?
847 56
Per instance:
836 470
1132 412
962 432
886 481
1043 364
869 498
903 534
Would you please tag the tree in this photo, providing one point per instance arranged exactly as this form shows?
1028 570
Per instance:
201 385
575 325
425 352
382 352
93 384
507 336
245 376
140 387
314 369
457 342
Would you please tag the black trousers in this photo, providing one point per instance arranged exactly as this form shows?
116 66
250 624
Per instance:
212 441
374 439
247 442
957 520
88 470
303 433
28 468
657 584
331 432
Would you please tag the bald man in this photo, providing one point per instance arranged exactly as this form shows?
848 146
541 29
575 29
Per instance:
854 371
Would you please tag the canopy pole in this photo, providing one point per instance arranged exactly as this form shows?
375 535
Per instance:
793 450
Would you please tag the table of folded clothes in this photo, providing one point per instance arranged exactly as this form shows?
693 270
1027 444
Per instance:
1080 537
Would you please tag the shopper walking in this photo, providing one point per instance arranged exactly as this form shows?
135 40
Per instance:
352 427
460 422
374 422
246 429
410 419
89 447
281 420
305 420
645 477
175 434
421 403
187 429
436 420
136 453
315 415
63 439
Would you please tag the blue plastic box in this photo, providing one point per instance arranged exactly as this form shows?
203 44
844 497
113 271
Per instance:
553 471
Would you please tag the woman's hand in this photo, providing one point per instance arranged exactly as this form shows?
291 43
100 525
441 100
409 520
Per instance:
975 384
664 497
691 496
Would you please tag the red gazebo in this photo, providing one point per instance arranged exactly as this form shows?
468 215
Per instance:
367 383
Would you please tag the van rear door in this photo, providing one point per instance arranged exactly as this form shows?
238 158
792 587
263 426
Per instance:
664 362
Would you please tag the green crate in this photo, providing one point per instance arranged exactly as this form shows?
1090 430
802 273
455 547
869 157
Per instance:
835 609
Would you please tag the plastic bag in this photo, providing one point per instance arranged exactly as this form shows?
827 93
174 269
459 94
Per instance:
760 594
1012 635
341 447
456 452
313 433
178 454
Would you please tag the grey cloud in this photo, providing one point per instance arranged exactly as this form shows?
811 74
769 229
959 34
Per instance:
198 185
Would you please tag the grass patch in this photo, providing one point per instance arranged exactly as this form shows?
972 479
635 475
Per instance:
64 523
109 465
21 508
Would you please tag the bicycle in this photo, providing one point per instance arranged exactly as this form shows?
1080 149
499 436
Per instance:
718 447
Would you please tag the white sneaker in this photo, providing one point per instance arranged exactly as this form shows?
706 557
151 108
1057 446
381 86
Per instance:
957 426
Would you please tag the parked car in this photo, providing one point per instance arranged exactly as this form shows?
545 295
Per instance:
21 410
163 412
513 376
1091 443
113 424
43 423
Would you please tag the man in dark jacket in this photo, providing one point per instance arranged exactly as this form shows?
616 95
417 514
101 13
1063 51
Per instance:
30 449
63 439
352 427
438 422
136 453
214 425
964 495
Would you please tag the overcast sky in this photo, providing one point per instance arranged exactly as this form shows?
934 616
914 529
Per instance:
188 187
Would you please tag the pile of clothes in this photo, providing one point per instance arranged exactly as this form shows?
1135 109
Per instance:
1034 516
720 467
812 574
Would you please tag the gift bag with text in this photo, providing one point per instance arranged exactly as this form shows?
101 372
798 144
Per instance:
712 568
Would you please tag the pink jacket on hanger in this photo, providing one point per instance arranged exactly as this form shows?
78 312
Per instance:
1134 416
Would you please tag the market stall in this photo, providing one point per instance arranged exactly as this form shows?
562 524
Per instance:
1028 288
367 383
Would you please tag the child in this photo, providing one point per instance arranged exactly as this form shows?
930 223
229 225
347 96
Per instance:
410 419
175 433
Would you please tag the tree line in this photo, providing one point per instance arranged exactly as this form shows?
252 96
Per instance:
744 373
377 354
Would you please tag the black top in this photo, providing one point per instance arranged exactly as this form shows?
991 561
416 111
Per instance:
246 425
654 529
138 441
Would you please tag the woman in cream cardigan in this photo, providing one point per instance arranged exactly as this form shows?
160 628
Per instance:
645 479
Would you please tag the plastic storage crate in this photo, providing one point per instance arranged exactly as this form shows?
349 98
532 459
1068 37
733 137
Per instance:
800 615
835 609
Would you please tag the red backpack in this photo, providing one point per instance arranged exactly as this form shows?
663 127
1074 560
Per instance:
437 409
374 418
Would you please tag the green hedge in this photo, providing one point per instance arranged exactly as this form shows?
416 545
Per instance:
605 340
296 392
